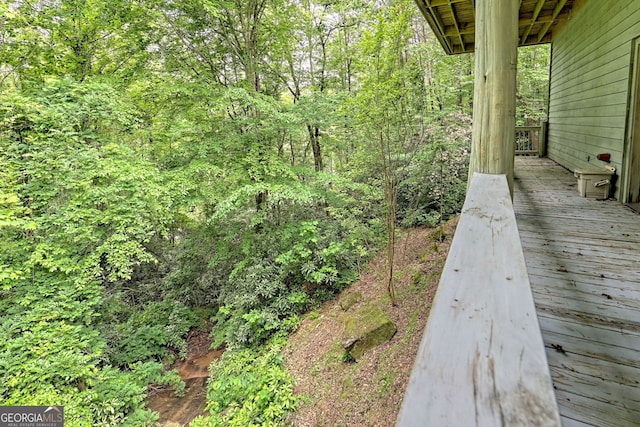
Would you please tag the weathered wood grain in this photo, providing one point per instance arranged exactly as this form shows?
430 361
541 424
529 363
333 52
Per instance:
568 422
608 371
599 298
494 95
590 412
583 258
482 361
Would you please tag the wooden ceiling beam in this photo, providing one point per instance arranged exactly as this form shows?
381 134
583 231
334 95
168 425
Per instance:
543 17
465 29
556 12
534 41
427 8
470 28
536 12
455 23
436 3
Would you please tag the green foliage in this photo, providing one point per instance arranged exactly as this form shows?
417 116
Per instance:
533 84
159 164
154 373
148 332
78 213
48 355
433 188
317 255
94 205
286 270
249 388
76 38
346 357
120 397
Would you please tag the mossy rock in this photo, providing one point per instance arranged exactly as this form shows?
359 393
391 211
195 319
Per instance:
365 329
349 299
438 234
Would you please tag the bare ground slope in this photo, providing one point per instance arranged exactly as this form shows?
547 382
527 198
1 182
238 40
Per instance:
194 371
370 391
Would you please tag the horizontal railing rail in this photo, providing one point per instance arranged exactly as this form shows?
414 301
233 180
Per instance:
527 139
482 360
531 140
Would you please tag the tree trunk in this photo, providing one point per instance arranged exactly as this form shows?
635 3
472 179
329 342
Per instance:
314 139
391 198
496 53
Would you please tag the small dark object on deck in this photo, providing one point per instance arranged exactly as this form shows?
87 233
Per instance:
558 348
607 296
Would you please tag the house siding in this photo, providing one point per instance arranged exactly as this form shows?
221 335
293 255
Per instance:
589 87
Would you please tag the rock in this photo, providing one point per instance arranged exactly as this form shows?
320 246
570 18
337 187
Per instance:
349 299
366 328
438 234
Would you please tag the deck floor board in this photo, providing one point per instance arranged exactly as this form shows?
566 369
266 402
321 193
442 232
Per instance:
583 257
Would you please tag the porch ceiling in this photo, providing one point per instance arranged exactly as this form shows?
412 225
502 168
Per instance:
453 21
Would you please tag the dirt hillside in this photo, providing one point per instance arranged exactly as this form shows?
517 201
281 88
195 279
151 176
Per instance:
368 392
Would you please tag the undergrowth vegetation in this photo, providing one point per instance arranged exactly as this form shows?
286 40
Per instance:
170 166
250 387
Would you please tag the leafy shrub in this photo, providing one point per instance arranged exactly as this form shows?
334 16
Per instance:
289 268
318 255
257 303
434 186
50 354
148 332
249 387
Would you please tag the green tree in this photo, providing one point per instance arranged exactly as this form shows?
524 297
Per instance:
240 160
533 85
75 38
385 109
80 211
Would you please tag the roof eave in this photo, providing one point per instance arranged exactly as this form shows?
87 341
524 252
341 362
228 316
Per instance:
452 21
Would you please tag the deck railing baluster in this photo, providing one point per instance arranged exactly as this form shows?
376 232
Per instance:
527 140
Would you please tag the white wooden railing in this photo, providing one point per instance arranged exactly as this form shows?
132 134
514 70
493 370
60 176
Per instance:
482 361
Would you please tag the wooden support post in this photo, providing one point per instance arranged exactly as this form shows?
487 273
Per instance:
542 142
494 98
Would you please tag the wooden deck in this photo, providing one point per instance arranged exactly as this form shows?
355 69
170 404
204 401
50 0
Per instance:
583 259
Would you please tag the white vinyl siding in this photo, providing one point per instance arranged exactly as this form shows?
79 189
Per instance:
589 86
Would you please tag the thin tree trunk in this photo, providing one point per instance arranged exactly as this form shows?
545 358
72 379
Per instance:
314 139
390 201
